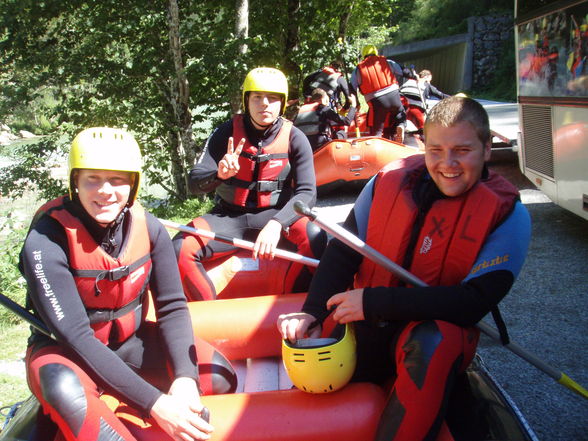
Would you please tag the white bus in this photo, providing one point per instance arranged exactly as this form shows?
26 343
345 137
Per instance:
551 40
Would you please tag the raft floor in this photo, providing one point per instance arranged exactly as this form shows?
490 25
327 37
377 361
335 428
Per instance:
261 374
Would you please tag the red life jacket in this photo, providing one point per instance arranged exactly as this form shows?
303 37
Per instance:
307 119
376 75
263 171
110 288
453 232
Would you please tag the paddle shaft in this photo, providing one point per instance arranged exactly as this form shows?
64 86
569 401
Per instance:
40 326
240 243
25 315
364 249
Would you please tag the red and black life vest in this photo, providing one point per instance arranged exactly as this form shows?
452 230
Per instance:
111 288
326 79
308 119
376 76
453 232
261 170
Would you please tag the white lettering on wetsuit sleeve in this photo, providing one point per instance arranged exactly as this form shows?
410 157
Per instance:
47 290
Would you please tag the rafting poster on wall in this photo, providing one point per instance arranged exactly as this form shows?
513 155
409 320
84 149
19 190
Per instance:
553 52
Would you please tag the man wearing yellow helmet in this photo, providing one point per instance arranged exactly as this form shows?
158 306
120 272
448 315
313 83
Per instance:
88 260
379 80
258 165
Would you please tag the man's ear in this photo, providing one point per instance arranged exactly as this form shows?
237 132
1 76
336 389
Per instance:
487 150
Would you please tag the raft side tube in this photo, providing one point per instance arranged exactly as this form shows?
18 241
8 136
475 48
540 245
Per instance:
239 275
244 327
350 414
356 159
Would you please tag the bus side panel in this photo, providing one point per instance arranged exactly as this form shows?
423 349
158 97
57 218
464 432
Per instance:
570 142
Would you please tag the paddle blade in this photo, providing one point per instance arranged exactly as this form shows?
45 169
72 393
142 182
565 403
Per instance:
572 385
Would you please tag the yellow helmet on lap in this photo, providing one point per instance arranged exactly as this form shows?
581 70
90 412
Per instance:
265 79
321 365
105 148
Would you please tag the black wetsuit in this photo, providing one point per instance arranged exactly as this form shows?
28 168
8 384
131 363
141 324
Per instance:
152 351
246 222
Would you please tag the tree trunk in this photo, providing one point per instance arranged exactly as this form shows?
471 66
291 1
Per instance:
180 136
344 20
290 47
242 33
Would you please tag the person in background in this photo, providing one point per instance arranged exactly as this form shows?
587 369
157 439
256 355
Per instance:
258 165
91 260
416 90
458 227
378 79
317 120
331 80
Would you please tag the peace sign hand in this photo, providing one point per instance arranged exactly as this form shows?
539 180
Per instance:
229 165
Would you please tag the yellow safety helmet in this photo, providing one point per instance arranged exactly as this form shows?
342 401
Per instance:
369 49
265 79
321 365
105 148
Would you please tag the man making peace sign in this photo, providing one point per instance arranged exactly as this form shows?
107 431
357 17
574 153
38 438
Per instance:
256 184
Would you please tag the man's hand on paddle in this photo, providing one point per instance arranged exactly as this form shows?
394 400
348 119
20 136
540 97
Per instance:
267 240
229 165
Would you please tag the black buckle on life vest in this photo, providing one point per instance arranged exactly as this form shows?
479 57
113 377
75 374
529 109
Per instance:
263 157
108 315
112 275
267 186
118 273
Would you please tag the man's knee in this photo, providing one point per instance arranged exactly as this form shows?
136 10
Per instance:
317 238
63 390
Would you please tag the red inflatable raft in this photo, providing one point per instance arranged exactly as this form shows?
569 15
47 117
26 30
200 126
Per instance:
266 408
355 160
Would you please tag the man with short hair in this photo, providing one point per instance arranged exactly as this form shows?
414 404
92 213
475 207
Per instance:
457 226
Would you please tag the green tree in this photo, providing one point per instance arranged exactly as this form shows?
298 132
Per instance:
168 71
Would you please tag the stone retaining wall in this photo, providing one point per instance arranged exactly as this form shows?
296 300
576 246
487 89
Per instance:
488 36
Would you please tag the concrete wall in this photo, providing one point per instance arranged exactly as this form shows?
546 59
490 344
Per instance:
459 62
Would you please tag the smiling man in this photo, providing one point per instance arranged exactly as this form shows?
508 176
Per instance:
451 222
259 165
91 260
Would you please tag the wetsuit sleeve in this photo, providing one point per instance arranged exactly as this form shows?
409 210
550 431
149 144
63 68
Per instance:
303 177
173 318
396 70
355 80
491 277
334 117
339 263
202 178
53 292
436 92
343 87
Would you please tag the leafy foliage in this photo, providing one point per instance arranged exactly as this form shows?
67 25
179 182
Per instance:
13 285
69 65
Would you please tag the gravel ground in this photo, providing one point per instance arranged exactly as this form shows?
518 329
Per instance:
544 311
